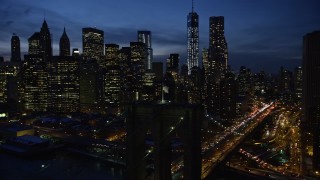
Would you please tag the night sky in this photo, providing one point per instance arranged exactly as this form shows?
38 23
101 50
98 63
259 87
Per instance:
261 34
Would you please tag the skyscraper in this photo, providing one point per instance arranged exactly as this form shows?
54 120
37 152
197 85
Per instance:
217 43
15 49
217 63
45 41
311 91
137 55
64 44
145 37
193 40
34 44
173 66
35 83
92 43
298 82
64 85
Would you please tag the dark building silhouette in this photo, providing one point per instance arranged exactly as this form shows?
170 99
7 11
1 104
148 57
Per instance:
245 81
163 121
45 41
228 97
92 43
64 44
90 86
193 40
157 68
173 65
194 86
15 49
34 44
64 85
285 80
145 37
311 91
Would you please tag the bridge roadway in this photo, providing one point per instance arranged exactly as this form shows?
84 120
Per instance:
231 138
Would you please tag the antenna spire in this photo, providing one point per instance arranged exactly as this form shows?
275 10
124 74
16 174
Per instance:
192 6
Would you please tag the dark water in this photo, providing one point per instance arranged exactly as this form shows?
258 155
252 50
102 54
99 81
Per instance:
58 166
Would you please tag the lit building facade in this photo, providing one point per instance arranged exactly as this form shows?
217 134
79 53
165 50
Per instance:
138 54
298 82
145 37
193 40
64 84
92 43
218 48
35 83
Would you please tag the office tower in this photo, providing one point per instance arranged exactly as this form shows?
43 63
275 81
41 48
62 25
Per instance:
92 43
137 56
75 52
245 81
15 49
298 82
111 55
112 77
205 59
157 68
34 44
90 86
217 63
228 97
260 83
9 95
64 44
285 80
195 85
145 37
148 88
218 49
35 83
193 40
173 66
127 76
311 91
64 85
45 41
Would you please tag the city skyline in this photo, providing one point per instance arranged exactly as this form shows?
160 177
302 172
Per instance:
267 36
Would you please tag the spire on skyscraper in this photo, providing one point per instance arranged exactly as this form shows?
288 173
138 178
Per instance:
64 44
192 6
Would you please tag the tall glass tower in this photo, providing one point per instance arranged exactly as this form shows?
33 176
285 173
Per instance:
145 37
193 40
